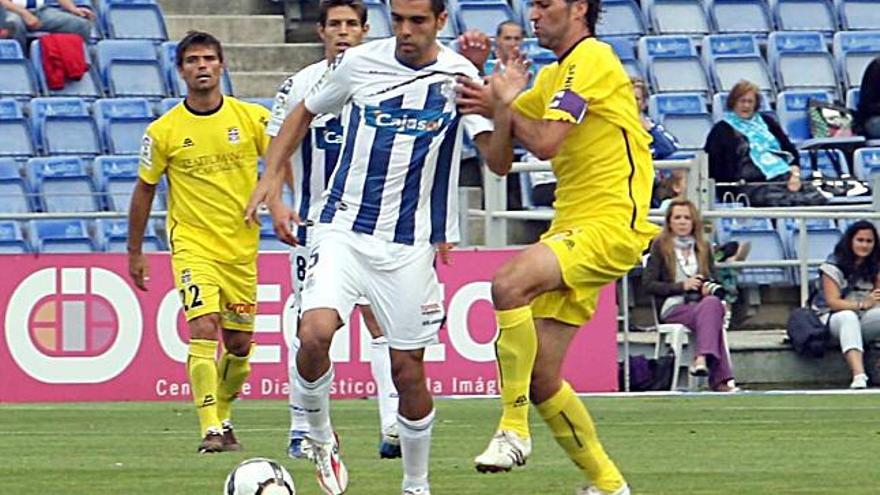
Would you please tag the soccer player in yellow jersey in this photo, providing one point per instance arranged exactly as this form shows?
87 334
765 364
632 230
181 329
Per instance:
582 116
208 147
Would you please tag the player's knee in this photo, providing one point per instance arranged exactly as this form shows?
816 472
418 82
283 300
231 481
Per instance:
315 334
205 327
237 343
407 373
507 290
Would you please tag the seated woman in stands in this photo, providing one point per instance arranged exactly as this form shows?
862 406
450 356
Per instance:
748 146
850 293
680 273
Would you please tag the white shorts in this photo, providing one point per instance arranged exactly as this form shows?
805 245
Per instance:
299 262
398 280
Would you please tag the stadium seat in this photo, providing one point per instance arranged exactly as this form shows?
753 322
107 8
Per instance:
133 19
791 109
61 236
824 163
684 115
677 17
620 18
16 135
804 15
113 236
168 59
854 51
15 194
852 98
672 64
167 104
626 52
820 243
719 102
268 240
800 60
12 239
87 87
766 246
734 57
16 78
63 126
866 161
482 15
740 16
858 14
122 122
130 68
116 177
379 19
63 184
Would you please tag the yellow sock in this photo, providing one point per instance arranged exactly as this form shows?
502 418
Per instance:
573 429
515 349
202 371
232 371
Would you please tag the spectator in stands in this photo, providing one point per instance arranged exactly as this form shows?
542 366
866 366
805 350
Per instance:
664 143
681 273
508 40
750 147
850 293
35 15
6 29
868 111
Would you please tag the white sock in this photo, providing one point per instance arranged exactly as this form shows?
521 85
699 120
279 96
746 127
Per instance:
386 393
315 398
415 445
298 420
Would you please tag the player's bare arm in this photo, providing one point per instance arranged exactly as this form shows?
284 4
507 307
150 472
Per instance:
138 215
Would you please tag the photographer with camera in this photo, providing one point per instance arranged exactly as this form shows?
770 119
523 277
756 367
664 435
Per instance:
680 273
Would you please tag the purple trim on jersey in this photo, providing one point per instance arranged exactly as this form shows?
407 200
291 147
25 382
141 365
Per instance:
571 103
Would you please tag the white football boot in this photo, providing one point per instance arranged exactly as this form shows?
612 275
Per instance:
592 490
505 450
329 468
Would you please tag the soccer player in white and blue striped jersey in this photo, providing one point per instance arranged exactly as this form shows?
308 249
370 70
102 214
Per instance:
391 198
341 25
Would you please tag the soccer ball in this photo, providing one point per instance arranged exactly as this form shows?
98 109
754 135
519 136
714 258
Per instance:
259 476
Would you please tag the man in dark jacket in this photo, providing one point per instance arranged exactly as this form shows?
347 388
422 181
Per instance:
868 111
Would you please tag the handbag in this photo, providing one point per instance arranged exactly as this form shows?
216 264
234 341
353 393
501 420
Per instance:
806 332
829 119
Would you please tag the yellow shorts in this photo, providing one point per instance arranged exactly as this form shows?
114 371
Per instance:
208 286
590 258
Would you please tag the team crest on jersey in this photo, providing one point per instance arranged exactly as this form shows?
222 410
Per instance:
147 150
188 143
233 135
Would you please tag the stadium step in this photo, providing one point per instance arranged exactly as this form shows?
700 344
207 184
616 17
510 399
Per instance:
229 28
227 7
257 84
259 57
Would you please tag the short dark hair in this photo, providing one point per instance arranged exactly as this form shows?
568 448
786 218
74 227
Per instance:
507 23
594 8
194 38
437 6
357 5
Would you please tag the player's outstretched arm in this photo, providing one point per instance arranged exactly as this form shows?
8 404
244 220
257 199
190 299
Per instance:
138 215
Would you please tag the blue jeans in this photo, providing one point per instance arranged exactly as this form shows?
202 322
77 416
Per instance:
53 20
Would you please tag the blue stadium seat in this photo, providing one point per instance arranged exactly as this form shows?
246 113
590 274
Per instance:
740 16
379 19
87 87
12 239
130 68
113 236
15 194
677 17
620 18
684 115
824 163
800 60
805 15
482 15
116 176
719 101
63 126
61 236
820 243
268 240
167 104
791 109
766 246
63 184
854 51
672 64
626 52
734 57
122 122
16 135
866 161
133 19
16 78
852 98
858 14
168 59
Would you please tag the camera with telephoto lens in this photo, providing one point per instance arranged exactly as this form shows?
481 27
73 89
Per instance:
712 287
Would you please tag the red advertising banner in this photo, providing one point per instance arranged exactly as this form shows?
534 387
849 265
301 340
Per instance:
74 328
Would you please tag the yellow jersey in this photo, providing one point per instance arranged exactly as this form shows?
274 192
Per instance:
211 163
603 169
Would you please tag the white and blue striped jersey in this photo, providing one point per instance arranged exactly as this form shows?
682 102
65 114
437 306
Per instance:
313 162
397 175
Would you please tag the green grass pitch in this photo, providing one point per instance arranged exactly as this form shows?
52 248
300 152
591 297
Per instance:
745 444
